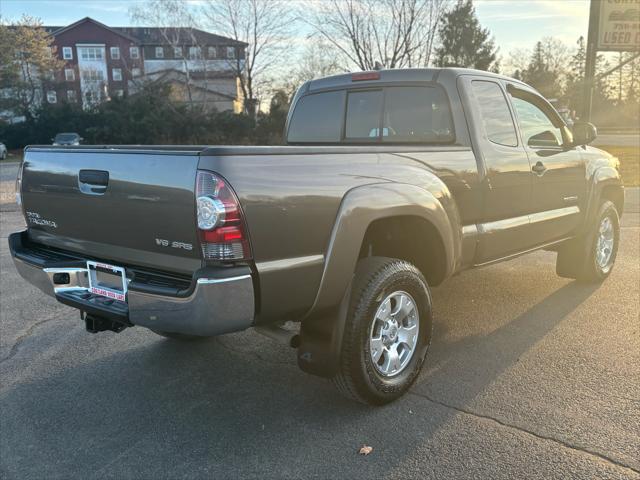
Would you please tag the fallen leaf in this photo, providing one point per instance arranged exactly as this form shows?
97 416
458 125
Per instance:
365 450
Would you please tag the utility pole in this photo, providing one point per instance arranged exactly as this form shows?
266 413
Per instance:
590 63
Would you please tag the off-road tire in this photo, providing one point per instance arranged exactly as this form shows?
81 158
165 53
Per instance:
577 258
375 278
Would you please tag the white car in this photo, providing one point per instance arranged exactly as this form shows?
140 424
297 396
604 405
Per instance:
3 151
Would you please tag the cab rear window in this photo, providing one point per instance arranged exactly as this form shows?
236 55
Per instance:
403 114
317 118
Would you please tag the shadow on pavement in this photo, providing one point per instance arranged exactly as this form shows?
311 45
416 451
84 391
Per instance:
475 361
166 409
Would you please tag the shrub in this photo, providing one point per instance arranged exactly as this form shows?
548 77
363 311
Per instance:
146 118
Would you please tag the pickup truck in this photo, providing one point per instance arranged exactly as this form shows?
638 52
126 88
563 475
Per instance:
390 183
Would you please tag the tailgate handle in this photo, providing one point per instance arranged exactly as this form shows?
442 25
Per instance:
93 181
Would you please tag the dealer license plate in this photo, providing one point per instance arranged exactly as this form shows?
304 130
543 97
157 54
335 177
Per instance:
107 280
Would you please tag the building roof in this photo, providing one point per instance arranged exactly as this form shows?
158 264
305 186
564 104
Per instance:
55 31
179 35
155 35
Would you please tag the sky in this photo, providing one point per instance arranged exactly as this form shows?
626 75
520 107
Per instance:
513 23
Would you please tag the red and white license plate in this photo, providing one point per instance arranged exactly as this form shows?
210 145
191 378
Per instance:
107 280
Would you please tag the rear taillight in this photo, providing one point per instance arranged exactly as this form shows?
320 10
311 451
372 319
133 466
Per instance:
19 185
223 234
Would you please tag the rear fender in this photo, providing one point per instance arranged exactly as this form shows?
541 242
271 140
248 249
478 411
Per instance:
323 326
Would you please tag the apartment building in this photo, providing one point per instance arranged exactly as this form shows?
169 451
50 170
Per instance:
102 62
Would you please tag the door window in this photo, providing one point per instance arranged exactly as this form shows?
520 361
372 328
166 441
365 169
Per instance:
496 117
538 130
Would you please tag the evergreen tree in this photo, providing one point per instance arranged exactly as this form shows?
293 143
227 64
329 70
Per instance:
27 66
463 41
540 76
575 85
574 90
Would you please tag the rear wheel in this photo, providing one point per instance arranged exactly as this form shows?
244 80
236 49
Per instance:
591 257
388 331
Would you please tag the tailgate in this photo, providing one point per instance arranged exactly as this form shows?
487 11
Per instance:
132 207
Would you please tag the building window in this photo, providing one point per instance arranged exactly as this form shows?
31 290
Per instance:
134 52
212 52
118 93
67 53
91 53
195 53
115 53
71 96
159 52
92 75
52 97
69 74
231 52
177 52
116 73
135 72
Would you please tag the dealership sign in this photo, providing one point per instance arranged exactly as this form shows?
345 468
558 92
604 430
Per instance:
619 25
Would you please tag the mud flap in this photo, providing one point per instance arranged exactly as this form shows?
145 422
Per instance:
321 339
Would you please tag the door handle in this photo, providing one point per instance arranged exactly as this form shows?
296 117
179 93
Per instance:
539 168
93 182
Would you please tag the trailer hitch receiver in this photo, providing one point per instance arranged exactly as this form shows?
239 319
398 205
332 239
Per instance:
96 324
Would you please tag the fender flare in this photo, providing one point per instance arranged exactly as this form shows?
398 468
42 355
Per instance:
323 326
601 178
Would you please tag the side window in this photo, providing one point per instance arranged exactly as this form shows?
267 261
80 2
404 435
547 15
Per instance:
496 117
535 125
317 118
416 114
363 115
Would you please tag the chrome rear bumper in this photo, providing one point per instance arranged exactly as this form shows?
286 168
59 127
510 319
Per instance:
216 306
212 306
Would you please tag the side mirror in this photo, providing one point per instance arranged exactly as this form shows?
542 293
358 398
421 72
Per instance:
584 133
543 139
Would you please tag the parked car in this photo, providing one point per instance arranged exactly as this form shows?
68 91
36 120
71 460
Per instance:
3 151
67 139
392 182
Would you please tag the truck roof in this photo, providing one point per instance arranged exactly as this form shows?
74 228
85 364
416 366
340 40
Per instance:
401 75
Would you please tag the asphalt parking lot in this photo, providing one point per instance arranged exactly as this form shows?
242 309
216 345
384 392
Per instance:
529 376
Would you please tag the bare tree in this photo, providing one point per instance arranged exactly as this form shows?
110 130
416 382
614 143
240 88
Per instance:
264 25
517 61
553 55
379 33
176 23
316 60
556 54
